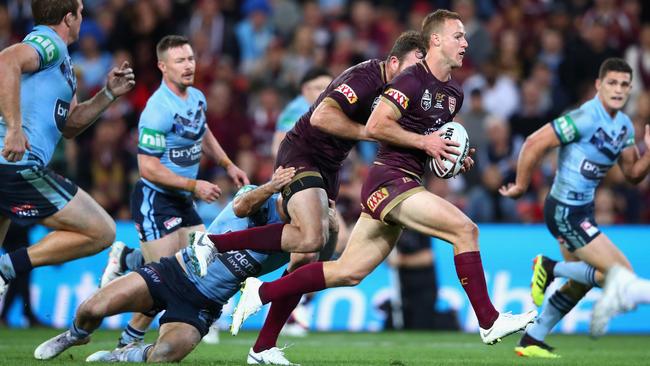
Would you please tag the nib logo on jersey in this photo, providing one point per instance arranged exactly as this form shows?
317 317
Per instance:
186 155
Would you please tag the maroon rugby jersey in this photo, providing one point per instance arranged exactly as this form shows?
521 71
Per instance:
424 104
355 91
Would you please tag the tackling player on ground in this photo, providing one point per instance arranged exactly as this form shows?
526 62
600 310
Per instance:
412 108
192 303
173 135
592 139
38 105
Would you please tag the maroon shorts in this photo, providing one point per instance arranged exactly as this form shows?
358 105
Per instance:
309 174
384 188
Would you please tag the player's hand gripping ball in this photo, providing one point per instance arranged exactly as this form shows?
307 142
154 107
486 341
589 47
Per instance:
456 132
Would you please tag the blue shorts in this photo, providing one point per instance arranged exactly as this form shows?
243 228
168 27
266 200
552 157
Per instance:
173 292
158 214
573 226
31 193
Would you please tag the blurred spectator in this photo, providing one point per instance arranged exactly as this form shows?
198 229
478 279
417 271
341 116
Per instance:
226 120
476 34
497 164
583 59
219 30
264 110
499 91
254 33
638 56
533 111
90 60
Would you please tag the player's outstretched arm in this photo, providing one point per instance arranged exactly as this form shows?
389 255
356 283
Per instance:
329 117
120 81
154 171
534 148
249 202
216 153
14 61
636 167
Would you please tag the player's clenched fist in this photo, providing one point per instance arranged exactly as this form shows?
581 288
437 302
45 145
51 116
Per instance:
207 191
121 80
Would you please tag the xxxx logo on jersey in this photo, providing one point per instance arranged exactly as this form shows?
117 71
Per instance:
398 96
376 198
349 93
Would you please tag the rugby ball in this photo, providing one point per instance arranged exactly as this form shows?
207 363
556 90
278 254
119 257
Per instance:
456 132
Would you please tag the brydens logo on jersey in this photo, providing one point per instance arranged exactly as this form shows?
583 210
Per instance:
348 92
398 96
185 156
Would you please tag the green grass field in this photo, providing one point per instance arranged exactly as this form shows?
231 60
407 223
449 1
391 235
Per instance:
389 348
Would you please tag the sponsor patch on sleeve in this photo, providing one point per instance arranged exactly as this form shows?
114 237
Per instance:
45 46
566 129
398 97
152 140
348 92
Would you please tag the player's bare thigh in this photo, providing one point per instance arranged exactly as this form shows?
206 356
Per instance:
431 215
128 293
175 341
309 213
169 244
602 254
85 216
370 243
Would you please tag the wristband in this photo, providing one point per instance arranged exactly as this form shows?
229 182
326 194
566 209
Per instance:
190 186
108 94
225 162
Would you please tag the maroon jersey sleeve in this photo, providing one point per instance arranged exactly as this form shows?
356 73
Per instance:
402 91
350 94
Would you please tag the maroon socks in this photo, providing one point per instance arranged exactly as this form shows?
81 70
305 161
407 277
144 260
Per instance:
278 315
306 279
470 273
265 238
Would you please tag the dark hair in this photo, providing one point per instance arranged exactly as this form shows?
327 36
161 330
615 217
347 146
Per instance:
614 64
51 12
170 41
407 42
433 21
314 73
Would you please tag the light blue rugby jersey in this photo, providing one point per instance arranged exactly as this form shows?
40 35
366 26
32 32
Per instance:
227 272
292 113
591 143
45 96
172 129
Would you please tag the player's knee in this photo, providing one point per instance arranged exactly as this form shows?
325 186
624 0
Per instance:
468 235
90 310
104 234
313 240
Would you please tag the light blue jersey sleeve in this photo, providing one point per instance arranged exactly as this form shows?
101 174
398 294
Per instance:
573 126
291 113
155 124
49 53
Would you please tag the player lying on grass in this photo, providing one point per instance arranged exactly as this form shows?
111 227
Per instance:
592 139
192 303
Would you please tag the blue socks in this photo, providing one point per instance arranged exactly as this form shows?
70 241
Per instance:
133 259
578 271
130 335
77 332
559 304
14 263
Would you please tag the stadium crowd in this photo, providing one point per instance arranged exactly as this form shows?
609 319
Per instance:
528 61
